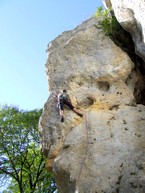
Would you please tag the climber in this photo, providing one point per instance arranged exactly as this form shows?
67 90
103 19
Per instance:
64 99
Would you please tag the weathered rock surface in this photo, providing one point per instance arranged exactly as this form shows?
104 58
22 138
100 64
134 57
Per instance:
103 152
131 15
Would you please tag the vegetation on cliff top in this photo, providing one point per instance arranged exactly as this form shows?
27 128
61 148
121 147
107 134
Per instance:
112 28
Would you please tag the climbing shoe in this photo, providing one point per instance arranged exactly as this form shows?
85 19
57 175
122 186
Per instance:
62 119
79 114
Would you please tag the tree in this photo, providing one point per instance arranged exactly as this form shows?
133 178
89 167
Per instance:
21 160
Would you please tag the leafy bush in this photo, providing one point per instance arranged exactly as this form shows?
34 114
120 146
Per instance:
109 25
107 21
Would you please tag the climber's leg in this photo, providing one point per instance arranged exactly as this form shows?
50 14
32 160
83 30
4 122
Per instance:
61 111
77 112
73 108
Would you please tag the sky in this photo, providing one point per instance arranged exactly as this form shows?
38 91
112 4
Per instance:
26 28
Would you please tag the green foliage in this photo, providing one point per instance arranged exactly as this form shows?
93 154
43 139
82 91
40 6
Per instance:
109 25
20 157
107 22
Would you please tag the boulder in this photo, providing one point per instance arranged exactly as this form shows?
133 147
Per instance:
103 152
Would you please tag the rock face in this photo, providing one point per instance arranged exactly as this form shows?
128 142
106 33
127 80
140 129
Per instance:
131 15
103 152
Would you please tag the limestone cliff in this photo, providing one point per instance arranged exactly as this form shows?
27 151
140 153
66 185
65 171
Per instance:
131 15
103 152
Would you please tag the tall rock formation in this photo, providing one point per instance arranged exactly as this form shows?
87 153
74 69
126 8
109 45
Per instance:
103 152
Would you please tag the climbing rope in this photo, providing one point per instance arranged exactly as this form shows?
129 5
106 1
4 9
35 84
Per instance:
84 156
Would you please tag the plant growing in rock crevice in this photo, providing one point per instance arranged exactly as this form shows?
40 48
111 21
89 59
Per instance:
111 27
106 21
